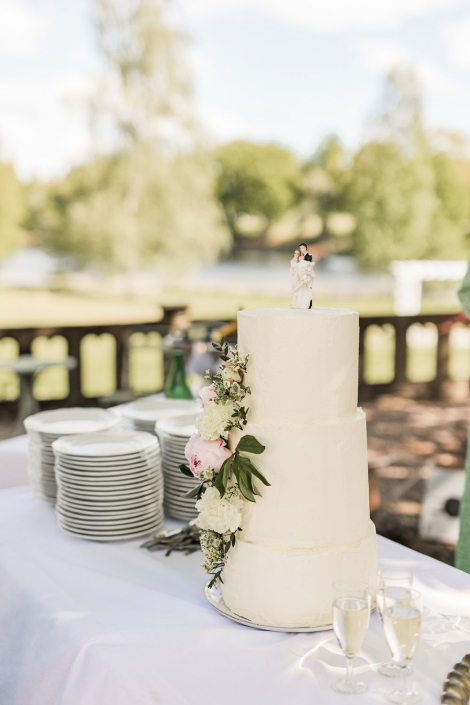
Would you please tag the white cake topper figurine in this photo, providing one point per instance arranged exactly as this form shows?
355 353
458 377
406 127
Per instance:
301 268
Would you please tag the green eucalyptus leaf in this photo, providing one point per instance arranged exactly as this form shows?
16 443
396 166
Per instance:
186 471
250 467
236 467
225 471
233 540
250 482
253 486
193 493
219 483
249 444
245 488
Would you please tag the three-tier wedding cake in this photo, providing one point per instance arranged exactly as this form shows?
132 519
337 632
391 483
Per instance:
312 526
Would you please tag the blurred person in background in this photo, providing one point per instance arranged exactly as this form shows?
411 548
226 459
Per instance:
462 556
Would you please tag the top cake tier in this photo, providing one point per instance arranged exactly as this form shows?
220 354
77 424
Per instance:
303 364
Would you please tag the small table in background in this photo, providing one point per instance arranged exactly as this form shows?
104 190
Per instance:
26 367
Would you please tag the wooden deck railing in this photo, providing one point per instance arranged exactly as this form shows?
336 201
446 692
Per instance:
74 336
438 387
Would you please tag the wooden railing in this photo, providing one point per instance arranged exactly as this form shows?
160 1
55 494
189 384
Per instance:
437 388
74 335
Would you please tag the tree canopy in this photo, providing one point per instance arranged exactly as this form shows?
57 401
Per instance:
153 185
255 179
12 209
150 186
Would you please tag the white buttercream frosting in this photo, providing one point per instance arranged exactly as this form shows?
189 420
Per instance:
293 588
303 363
311 527
319 487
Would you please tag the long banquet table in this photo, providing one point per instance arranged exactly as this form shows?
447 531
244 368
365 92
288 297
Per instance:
86 623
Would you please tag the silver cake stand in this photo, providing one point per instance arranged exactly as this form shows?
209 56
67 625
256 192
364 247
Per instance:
214 598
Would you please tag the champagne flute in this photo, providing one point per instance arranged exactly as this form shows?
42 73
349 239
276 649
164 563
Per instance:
402 626
388 578
351 613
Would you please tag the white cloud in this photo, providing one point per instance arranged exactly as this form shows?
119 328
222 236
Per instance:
324 17
457 35
222 125
382 55
43 127
21 29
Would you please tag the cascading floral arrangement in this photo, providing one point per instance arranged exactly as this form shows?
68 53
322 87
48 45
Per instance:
226 478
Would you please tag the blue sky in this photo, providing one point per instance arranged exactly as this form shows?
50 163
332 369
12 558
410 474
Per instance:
290 71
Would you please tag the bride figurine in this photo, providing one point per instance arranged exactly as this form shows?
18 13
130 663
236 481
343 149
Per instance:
303 275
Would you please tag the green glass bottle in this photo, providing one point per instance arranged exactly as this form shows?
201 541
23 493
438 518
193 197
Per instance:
176 386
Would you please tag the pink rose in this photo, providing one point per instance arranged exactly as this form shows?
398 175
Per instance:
207 394
203 455
229 374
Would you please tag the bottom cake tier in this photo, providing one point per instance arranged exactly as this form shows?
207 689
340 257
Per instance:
287 587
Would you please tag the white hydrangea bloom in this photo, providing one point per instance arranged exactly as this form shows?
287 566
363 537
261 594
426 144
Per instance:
212 420
220 514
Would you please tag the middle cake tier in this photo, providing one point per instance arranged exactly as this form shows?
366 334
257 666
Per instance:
319 484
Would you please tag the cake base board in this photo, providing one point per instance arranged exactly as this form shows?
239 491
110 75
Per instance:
214 597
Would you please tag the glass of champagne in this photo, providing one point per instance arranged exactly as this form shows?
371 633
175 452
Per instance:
402 626
388 578
351 613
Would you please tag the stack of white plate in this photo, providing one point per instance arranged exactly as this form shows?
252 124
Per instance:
174 433
143 414
110 485
46 427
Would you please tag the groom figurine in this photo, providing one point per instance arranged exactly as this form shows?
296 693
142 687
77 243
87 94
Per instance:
307 257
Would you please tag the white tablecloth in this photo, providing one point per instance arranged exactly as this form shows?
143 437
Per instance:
84 623
13 456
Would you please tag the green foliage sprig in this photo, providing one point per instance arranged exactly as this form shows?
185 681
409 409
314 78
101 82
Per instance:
243 469
238 472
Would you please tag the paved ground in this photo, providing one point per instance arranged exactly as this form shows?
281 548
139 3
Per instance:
406 438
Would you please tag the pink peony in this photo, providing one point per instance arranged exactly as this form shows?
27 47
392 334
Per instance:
207 394
203 455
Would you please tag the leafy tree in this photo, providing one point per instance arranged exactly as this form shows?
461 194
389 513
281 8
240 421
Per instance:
145 91
12 209
325 181
136 208
392 206
255 179
149 191
408 201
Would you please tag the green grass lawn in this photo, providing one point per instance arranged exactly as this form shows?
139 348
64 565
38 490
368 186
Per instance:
19 308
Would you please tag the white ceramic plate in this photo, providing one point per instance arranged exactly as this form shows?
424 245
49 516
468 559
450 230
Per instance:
109 474
65 509
102 525
184 425
108 506
142 494
116 537
155 461
107 524
149 411
174 443
125 483
122 535
108 444
69 421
